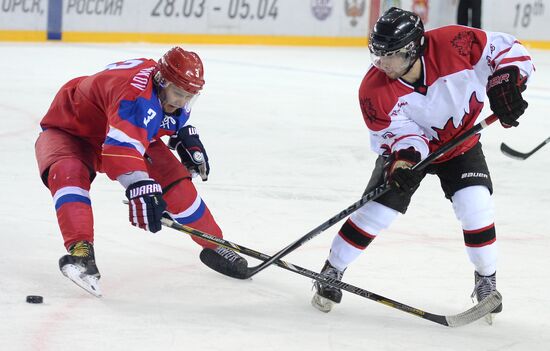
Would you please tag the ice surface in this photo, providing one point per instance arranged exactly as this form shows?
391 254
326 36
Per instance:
288 150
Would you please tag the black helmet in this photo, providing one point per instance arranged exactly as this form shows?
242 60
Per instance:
394 30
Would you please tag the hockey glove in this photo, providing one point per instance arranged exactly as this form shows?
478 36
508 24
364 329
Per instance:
146 204
191 151
399 174
504 89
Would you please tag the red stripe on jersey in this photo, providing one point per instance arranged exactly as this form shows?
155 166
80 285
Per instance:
515 59
500 54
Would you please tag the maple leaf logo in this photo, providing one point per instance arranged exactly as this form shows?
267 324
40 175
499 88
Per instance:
449 131
368 110
371 117
463 42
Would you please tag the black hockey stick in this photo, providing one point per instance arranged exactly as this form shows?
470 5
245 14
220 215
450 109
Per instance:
371 195
478 311
508 151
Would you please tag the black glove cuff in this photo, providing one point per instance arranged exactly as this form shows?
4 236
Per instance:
506 76
409 154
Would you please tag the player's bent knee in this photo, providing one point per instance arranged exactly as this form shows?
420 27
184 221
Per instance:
374 217
474 207
68 172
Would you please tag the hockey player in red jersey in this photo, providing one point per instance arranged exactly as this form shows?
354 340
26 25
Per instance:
111 122
424 89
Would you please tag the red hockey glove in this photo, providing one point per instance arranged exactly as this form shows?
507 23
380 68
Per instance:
399 174
504 89
191 151
146 204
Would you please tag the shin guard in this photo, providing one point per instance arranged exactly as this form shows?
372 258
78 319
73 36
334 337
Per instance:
69 184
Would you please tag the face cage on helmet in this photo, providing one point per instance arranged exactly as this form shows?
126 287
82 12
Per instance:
397 61
163 83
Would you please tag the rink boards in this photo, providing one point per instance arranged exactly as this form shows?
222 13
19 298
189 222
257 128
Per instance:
250 22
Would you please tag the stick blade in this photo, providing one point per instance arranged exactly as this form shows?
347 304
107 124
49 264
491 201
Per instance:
217 263
483 308
508 151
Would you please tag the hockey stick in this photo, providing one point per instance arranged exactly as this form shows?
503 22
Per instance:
371 195
478 311
508 151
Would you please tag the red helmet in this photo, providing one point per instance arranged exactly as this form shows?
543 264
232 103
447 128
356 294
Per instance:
183 68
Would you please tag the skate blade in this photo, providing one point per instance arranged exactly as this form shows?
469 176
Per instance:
86 282
321 303
490 318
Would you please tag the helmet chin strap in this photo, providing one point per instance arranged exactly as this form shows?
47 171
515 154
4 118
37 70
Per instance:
410 67
419 55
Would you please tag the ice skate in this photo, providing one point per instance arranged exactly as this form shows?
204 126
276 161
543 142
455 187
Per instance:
225 261
484 285
79 266
327 296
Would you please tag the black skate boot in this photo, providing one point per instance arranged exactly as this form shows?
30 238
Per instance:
225 261
79 266
484 285
325 295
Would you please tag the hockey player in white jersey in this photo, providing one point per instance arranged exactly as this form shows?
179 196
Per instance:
424 89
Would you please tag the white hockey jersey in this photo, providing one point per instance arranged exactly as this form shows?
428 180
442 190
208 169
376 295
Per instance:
456 64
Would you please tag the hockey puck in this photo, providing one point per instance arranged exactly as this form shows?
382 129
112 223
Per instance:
35 299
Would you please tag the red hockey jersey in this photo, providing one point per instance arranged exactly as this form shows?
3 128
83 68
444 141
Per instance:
456 64
117 111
